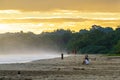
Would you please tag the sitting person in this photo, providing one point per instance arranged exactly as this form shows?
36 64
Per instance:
86 60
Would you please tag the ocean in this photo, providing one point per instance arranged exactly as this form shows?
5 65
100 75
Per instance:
23 58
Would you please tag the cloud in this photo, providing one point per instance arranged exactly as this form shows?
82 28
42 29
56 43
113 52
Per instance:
53 20
46 5
42 20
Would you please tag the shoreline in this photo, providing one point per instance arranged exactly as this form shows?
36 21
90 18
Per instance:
70 68
27 59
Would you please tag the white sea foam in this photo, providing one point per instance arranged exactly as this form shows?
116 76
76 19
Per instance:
22 58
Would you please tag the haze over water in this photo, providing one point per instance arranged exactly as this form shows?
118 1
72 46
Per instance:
26 57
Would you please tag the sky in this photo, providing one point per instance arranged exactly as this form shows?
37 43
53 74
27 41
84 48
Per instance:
47 15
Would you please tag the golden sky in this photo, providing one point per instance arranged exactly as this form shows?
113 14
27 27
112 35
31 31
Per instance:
48 15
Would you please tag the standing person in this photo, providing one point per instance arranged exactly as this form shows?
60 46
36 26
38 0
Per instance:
74 51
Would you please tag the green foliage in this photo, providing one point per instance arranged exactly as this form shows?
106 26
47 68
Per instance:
116 48
96 40
113 54
93 49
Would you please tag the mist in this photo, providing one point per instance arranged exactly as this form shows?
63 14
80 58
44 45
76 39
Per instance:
24 47
28 56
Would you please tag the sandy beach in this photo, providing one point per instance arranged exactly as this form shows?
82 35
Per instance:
70 68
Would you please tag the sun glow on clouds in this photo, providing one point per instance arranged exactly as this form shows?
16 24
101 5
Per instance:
16 27
36 28
16 14
37 22
10 11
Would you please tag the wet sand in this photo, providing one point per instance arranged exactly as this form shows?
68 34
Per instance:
70 68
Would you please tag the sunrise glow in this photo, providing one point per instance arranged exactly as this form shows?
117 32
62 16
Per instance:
13 18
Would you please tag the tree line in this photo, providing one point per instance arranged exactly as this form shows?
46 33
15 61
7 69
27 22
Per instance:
97 40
